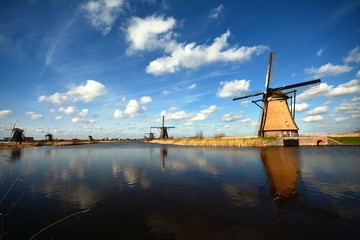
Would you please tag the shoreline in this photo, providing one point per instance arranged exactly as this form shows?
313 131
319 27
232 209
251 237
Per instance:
4 145
328 140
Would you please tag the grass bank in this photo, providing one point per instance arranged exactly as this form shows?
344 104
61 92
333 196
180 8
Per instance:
347 140
218 142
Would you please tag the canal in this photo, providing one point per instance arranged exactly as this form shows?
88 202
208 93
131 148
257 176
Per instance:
150 191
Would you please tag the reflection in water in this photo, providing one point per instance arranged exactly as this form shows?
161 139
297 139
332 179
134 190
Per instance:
163 154
282 167
241 196
12 154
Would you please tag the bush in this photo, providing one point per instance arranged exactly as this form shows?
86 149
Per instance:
199 134
219 135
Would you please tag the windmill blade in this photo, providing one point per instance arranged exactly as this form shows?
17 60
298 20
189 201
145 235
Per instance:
247 96
297 85
268 73
15 124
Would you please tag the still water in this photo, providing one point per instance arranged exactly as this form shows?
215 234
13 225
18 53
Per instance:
150 191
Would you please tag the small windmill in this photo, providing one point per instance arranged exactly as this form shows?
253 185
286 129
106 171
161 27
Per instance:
277 118
163 130
49 137
149 136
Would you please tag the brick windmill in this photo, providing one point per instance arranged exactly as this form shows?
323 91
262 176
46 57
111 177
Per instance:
163 130
278 119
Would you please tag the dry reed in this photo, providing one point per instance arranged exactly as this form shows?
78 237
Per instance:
217 142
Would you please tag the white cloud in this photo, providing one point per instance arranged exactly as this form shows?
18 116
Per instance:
318 110
300 107
86 93
313 118
102 14
351 87
150 33
6 113
171 115
165 92
84 112
57 118
34 116
351 108
233 88
215 13
231 117
204 114
90 121
192 86
319 53
145 100
248 122
353 56
68 110
132 109
156 33
77 119
191 56
341 119
327 69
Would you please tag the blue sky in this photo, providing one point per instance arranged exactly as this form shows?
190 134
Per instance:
113 68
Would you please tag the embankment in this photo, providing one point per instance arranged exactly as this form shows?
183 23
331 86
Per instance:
262 142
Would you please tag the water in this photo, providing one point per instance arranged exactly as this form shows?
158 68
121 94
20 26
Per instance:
150 191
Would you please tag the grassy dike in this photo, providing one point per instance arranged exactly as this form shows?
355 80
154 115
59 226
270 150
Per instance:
218 142
244 141
347 140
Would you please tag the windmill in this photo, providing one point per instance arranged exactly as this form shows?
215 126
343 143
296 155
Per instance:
17 134
149 136
277 118
49 137
163 130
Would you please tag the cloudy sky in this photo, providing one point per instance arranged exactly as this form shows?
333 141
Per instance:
113 68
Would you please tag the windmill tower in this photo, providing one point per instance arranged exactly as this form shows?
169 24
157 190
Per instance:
163 130
277 118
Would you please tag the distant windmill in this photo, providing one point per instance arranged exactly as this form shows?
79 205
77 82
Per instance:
17 134
277 118
149 136
49 137
163 130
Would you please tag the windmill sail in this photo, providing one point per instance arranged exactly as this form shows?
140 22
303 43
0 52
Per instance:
277 119
268 73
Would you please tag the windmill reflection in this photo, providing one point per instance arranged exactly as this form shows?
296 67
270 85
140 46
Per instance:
13 154
163 154
282 168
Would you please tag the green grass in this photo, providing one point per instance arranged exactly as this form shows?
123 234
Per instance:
347 140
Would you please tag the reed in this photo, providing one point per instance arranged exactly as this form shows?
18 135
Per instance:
217 142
